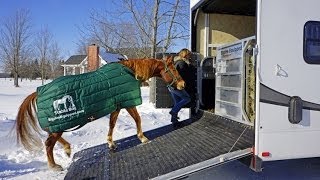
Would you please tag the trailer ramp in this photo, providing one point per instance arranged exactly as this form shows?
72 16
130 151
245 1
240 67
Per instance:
201 142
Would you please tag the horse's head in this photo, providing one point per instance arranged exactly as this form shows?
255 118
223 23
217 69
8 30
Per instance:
170 74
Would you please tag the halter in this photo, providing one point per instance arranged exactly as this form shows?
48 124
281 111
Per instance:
167 70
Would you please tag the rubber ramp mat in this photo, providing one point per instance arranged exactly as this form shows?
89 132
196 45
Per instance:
170 149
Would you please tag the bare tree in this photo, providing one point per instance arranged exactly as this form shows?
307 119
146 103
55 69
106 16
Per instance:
110 35
42 46
143 26
82 45
56 59
33 69
155 22
15 34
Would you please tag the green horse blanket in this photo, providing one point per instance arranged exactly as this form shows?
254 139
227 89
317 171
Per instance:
69 102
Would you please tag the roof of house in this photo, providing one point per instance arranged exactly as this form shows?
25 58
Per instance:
4 75
75 59
111 57
105 56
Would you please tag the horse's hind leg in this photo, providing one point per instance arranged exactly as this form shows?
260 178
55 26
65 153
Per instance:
50 142
66 146
112 123
134 113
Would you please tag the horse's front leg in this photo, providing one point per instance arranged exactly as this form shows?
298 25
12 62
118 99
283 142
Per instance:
66 146
112 123
134 113
50 142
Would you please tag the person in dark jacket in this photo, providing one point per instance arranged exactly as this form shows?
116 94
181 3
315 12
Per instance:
182 97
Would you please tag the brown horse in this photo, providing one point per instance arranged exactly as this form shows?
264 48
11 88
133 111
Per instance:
28 130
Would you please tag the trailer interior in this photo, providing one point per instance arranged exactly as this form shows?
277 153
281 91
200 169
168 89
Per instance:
215 23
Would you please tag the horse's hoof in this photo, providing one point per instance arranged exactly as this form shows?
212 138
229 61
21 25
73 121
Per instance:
68 152
56 168
144 140
112 146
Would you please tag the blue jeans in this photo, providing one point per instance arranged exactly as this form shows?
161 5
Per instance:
180 99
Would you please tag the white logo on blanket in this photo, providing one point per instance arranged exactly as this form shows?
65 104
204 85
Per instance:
64 105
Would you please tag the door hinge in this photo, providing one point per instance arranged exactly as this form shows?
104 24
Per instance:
255 51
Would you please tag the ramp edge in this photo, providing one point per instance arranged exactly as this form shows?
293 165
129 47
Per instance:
219 160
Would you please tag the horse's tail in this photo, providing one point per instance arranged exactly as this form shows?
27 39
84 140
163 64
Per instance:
27 129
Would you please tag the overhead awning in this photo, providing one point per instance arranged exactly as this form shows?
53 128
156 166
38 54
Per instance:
235 7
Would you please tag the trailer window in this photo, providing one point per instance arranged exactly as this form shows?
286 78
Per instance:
311 42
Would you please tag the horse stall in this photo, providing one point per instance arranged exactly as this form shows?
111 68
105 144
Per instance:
257 64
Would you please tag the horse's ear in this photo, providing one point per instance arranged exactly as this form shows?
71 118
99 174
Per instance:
170 59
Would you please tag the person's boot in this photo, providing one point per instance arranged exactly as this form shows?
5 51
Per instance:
174 118
173 114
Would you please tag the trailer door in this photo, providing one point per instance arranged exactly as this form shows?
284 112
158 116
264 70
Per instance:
159 93
288 102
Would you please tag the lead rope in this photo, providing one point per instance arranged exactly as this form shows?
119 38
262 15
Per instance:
238 139
171 74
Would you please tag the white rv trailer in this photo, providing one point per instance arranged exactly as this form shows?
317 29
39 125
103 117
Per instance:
267 56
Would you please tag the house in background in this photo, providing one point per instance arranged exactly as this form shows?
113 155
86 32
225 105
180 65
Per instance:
5 75
79 64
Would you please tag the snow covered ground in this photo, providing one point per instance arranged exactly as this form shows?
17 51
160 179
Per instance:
17 163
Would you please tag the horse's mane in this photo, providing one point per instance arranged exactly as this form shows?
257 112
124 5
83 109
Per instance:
143 68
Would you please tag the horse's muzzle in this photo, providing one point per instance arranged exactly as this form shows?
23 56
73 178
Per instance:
181 85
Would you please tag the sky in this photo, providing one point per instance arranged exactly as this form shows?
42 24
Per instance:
61 17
